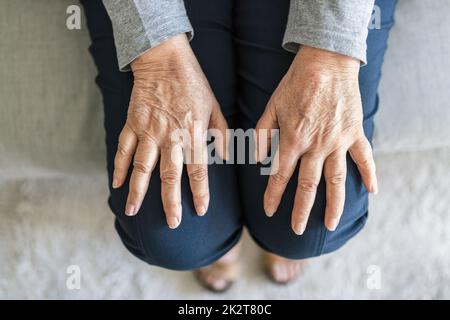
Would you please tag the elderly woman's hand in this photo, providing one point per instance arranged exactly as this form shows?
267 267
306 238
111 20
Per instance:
317 107
170 92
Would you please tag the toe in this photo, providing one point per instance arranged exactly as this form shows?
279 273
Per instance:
282 270
280 273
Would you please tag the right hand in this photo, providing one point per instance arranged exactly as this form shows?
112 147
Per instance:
170 92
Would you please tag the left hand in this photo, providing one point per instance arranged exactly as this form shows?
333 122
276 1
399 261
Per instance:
318 108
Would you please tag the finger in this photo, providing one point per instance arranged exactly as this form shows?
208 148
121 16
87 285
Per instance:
217 121
283 166
171 169
263 130
335 173
361 153
198 175
309 176
125 150
144 162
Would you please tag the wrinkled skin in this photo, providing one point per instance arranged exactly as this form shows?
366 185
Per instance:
170 92
317 107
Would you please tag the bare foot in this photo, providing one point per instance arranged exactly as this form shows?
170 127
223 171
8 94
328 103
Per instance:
282 270
219 276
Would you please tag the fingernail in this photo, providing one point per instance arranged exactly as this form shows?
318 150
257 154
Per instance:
269 212
375 188
201 210
115 183
130 210
299 228
333 224
173 222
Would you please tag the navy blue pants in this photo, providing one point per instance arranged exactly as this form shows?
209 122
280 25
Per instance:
238 45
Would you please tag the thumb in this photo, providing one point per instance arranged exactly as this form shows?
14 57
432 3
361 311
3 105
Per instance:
218 122
263 132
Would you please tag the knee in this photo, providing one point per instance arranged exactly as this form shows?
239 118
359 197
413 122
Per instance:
315 241
194 244
284 242
170 253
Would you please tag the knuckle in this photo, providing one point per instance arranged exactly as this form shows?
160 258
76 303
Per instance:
361 137
307 185
301 216
147 138
293 138
338 210
136 193
295 142
279 179
270 198
139 115
365 162
334 214
118 165
198 174
172 206
122 151
337 179
300 134
141 167
200 196
170 177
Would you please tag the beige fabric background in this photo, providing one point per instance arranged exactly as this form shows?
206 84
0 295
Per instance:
50 107
415 91
53 186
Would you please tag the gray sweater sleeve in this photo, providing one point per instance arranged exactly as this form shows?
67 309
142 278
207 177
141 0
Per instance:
335 25
139 25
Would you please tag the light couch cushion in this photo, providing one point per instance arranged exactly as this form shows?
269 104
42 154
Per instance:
50 106
415 89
